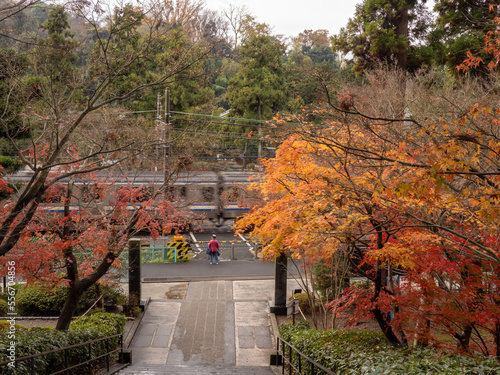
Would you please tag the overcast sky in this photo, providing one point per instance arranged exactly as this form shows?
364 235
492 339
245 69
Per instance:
291 17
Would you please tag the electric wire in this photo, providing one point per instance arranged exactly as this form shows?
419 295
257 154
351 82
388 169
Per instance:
224 123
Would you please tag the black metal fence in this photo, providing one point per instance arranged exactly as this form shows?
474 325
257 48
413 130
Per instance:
294 362
83 358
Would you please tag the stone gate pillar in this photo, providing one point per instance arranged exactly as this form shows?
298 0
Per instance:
134 271
279 305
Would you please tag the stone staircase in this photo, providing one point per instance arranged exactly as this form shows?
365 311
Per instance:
193 370
220 327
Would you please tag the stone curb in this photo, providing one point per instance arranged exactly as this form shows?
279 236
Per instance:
131 333
174 279
274 327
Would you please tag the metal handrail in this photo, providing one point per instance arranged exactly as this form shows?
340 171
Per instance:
65 349
298 368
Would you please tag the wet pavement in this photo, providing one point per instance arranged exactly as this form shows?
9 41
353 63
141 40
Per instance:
212 326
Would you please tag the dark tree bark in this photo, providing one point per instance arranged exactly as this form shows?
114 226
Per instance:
77 287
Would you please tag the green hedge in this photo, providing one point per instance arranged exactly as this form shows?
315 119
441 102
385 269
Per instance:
38 300
363 352
4 307
10 164
37 340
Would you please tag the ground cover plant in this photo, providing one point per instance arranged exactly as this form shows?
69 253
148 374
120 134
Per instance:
365 352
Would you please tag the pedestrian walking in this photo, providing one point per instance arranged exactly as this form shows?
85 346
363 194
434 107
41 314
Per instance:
213 246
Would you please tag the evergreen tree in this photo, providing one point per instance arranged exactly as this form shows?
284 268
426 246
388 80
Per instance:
387 31
258 91
310 63
460 27
12 67
54 70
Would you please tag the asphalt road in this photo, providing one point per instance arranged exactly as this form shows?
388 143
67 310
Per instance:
233 247
237 261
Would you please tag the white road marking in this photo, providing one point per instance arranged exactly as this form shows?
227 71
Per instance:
252 250
244 239
198 247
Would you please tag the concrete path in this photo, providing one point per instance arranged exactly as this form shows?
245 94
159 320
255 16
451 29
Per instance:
214 325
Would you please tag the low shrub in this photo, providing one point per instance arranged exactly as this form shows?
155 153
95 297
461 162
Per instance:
39 300
4 324
10 164
304 304
112 297
108 324
37 340
4 307
131 308
363 352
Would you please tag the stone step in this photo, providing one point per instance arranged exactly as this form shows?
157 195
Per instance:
193 370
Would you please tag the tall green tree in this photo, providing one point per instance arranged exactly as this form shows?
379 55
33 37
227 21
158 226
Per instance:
12 67
387 31
55 72
460 28
309 63
258 90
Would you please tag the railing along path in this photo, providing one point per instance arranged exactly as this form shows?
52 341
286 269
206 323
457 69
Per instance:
66 360
294 362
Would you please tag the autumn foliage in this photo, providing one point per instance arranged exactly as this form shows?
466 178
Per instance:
407 187
82 227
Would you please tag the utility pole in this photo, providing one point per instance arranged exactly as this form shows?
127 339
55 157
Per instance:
158 126
167 118
166 135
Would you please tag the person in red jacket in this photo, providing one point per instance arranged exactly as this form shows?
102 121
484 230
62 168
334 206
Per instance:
213 245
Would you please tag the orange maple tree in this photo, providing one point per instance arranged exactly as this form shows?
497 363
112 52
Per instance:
403 197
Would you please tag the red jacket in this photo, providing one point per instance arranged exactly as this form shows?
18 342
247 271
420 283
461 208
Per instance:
213 245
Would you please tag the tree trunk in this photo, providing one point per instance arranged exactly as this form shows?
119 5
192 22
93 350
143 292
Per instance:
244 155
402 29
259 150
464 338
77 287
380 277
379 316
497 339
386 328
69 308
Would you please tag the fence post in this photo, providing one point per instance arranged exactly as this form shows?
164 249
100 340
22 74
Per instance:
66 358
90 358
232 251
258 249
107 354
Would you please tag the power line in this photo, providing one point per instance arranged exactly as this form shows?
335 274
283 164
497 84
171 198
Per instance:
222 135
224 123
230 118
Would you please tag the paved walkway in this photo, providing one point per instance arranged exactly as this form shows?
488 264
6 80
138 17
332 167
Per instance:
216 324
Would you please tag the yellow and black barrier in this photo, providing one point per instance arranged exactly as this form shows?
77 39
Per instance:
176 251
